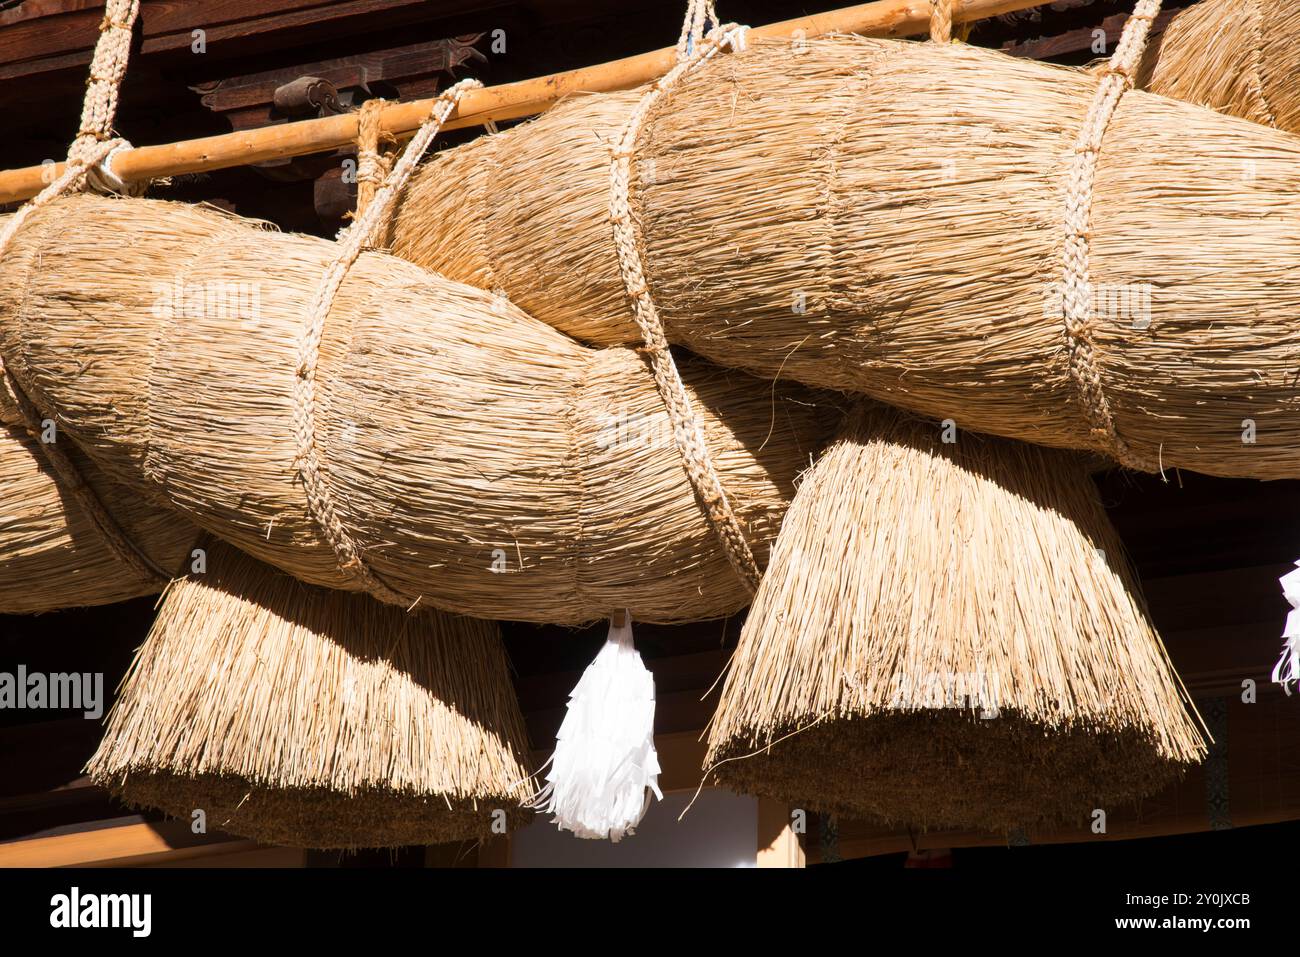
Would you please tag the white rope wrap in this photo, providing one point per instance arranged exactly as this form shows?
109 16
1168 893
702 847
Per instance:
102 179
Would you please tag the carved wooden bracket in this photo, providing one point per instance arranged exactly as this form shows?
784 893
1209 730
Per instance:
307 96
329 87
405 72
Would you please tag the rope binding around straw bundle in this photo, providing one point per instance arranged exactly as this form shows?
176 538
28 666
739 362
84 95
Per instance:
605 768
359 235
1116 80
693 49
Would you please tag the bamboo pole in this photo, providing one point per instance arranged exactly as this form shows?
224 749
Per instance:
509 101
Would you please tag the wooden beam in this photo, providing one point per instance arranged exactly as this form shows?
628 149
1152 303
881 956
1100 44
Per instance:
1074 41
118 846
887 18
778 844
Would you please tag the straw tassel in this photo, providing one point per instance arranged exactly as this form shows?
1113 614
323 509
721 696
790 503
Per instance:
605 767
1287 670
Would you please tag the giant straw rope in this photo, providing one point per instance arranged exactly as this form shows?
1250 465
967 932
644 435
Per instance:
89 166
95 145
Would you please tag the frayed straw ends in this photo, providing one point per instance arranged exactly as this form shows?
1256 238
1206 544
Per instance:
296 715
946 635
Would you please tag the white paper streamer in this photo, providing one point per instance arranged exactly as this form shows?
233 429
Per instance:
1287 670
605 767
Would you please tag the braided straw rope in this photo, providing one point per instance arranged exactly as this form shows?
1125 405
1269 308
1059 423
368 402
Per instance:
1084 366
942 29
89 166
941 21
687 431
371 222
373 162
699 13
99 108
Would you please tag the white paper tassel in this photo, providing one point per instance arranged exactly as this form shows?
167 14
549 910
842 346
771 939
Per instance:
604 766
1287 670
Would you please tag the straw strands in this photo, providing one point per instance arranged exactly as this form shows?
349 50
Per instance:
888 218
949 635
485 463
304 716
1237 56
51 554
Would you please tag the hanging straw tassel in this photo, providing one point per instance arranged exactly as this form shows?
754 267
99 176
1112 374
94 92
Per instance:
302 716
947 635
1287 670
605 767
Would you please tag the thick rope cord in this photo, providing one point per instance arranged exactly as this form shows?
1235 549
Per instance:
942 27
373 162
941 21
107 68
687 431
699 14
1084 367
99 108
361 234
88 167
